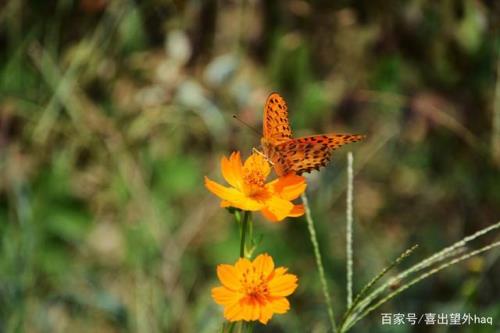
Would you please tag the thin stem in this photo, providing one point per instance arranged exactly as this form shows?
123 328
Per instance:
240 327
317 255
243 227
495 133
349 227
243 231
250 237
231 327
237 215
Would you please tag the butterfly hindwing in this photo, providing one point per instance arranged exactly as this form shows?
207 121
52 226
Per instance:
276 128
309 153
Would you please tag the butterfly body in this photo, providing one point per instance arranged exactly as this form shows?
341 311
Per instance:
296 155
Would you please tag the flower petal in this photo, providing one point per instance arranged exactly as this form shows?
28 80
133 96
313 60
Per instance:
224 296
282 285
228 276
266 313
278 207
280 305
233 196
263 264
268 215
233 312
232 170
297 210
290 186
280 271
242 266
255 311
250 309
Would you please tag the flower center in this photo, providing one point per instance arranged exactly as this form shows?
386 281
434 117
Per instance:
254 181
254 285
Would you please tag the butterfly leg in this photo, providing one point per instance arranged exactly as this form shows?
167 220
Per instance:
255 150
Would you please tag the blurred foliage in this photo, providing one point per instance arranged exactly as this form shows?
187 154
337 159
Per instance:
111 112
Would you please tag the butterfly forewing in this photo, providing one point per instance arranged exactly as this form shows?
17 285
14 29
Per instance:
276 128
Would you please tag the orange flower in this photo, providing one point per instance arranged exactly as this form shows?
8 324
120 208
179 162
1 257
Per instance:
250 192
253 290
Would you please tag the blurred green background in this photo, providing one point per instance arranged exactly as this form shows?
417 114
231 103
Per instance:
111 113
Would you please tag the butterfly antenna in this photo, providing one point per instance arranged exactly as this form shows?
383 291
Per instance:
247 125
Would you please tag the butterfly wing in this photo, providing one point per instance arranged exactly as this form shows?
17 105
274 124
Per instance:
276 128
308 153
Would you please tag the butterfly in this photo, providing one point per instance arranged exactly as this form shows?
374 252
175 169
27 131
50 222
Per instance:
296 155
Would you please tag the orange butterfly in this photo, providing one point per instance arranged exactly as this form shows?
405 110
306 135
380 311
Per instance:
296 155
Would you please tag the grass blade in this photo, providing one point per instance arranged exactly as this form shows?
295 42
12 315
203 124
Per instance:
373 281
420 278
349 228
319 264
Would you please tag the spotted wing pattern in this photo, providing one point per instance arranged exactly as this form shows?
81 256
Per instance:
299 155
276 128
309 153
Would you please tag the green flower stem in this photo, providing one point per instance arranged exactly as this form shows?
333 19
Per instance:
245 226
244 326
319 264
250 327
243 231
230 327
